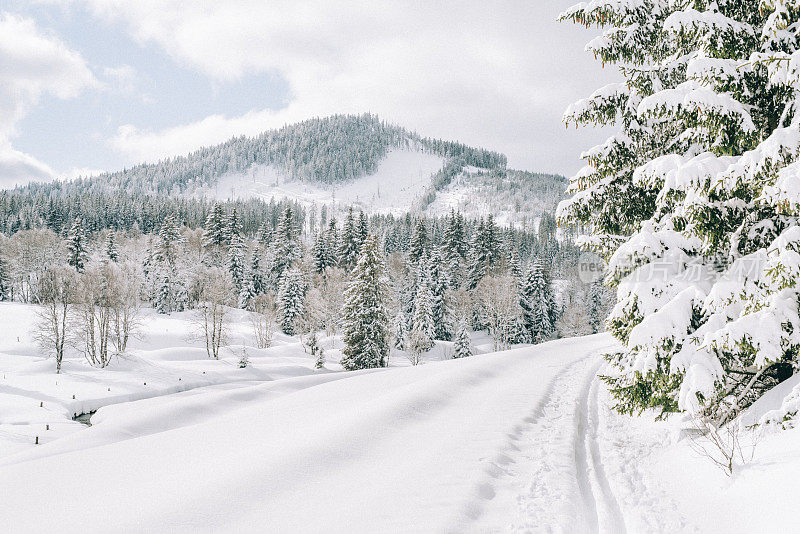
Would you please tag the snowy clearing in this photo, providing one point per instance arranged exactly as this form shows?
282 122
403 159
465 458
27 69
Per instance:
403 176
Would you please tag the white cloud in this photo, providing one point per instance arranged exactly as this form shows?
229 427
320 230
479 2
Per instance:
18 168
496 74
143 145
32 64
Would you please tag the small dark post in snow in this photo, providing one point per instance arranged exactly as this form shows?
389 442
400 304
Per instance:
37 440
47 427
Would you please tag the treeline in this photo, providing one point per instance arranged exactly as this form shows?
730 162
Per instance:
438 277
55 205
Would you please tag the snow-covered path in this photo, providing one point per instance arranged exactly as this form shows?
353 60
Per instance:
554 478
497 442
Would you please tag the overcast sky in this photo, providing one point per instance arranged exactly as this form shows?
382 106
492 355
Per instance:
100 84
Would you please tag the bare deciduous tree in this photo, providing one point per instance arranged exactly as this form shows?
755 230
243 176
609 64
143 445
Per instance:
94 312
31 253
57 291
417 343
461 303
326 299
211 315
500 303
125 283
263 319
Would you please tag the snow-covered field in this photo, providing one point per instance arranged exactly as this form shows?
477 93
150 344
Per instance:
37 403
522 440
403 176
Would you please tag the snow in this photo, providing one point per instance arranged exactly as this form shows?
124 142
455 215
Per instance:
521 440
402 178
691 19
670 322
683 173
166 359
477 193
694 97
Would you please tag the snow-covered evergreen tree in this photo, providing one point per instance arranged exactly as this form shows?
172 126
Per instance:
233 226
170 285
291 300
285 249
514 265
215 231
265 235
366 330
694 202
423 330
111 246
462 346
244 358
253 282
348 246
400 331
440 308
236 262
454 239
5 281
362 229
454 249
257 273
538 305
168 242
420 242
324 249
77 242
170 290
478 261
316 349
332 244
594 308
484 253
247 293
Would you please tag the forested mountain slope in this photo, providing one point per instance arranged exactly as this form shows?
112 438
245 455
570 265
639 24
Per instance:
329 150
338 161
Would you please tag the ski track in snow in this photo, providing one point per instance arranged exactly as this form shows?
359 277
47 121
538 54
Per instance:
558 438
609 516
628 445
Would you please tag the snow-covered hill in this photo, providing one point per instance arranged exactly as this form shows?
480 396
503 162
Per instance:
402 180
335 161
399 182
